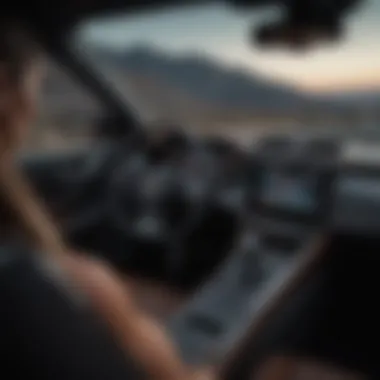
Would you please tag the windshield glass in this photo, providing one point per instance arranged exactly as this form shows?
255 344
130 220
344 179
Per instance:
195 67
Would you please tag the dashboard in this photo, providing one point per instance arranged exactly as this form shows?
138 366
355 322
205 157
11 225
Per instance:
187 213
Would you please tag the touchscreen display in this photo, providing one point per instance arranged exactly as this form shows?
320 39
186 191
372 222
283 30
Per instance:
290 191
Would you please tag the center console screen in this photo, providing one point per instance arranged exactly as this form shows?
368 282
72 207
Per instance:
290 191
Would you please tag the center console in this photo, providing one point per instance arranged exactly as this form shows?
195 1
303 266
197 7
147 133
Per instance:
240 296
279 243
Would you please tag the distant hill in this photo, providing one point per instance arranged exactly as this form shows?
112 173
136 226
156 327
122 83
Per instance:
188 88
205 80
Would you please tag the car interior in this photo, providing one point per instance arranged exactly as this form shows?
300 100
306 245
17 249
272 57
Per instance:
244 254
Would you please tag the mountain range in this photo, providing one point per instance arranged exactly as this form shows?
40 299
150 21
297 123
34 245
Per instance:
204 79
167 86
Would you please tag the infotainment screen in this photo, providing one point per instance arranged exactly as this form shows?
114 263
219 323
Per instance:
290 191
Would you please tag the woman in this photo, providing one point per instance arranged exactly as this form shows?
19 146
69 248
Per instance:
20 74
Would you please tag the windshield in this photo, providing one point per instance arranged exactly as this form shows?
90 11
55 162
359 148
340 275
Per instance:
196 68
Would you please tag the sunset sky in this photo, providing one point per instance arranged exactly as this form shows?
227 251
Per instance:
222 33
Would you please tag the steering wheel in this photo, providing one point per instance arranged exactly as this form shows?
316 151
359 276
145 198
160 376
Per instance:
134 196
134 187
154 204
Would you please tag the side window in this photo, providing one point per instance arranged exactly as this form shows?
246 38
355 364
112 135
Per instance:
67 113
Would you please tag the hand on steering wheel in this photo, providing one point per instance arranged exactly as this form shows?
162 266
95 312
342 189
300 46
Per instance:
136 333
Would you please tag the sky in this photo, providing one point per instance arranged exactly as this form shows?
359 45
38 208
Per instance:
223 34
